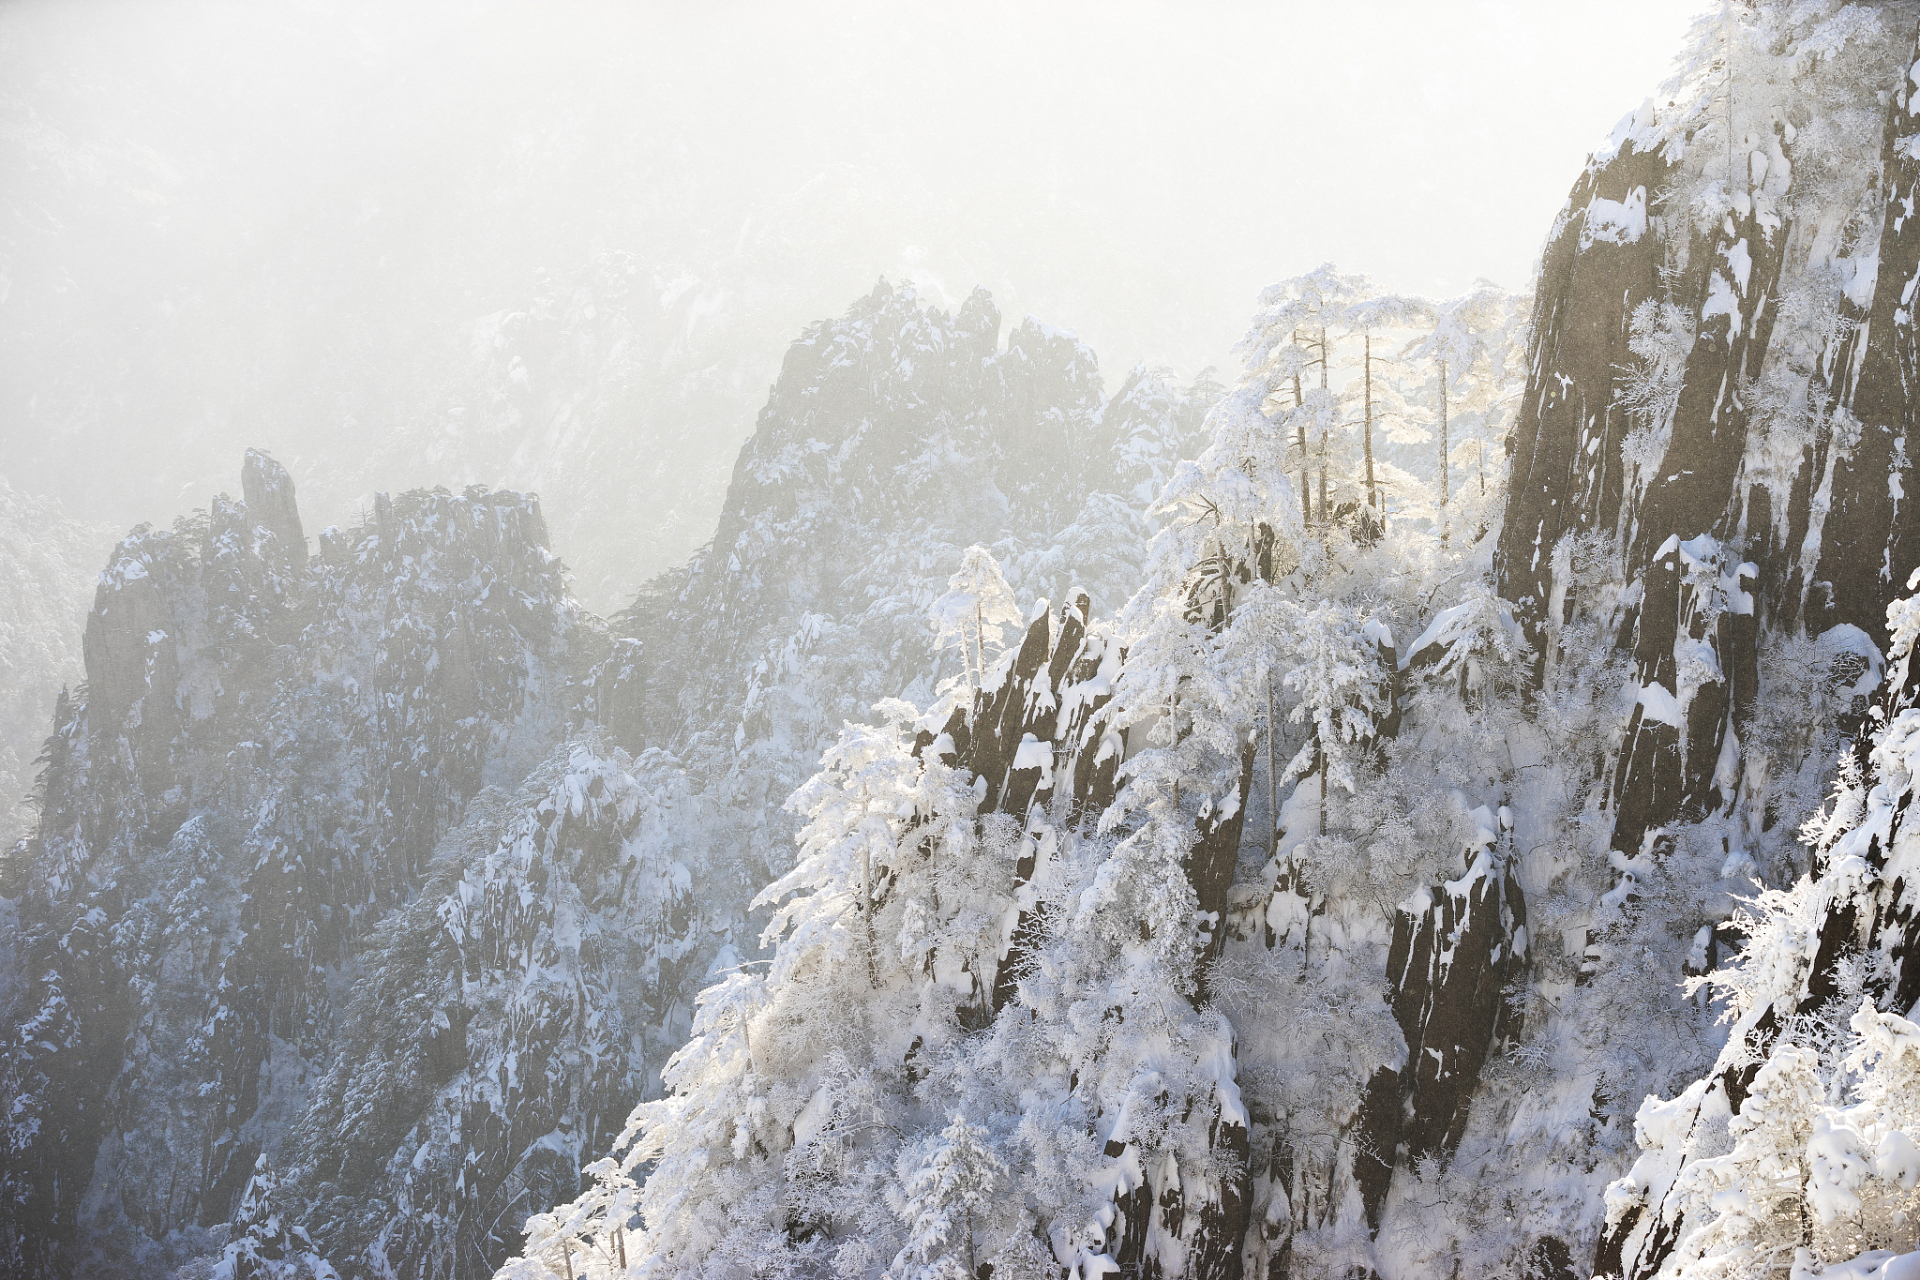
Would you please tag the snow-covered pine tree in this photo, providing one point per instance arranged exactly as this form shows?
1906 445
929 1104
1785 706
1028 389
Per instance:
1330 663
267 1246
1470 353
943 1198
1289 357
977 607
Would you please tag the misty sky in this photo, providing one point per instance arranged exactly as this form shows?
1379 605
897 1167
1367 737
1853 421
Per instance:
272 222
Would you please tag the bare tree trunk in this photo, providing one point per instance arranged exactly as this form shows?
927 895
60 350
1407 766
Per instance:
1222 593
866 909
980 642
1323 474
1321 753
1366 439
1273 781
1306 485
1323 430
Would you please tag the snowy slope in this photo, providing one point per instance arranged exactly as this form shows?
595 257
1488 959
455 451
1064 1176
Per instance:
376 879
1364 959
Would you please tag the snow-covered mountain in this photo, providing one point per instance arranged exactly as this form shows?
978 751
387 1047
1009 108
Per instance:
1329 908
267 751
588 918
374 883
1343 870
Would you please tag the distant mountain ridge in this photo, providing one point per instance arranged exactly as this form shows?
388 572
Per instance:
374 880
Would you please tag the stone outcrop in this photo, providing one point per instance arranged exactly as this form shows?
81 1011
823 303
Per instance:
265 756
268 492
1036 733
1450 969
1600 263
1740 533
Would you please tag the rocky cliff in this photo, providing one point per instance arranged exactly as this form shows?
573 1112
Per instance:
266 751
362 906
1300 951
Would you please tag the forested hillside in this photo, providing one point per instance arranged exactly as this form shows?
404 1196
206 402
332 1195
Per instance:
374 877
1330 907
1432 806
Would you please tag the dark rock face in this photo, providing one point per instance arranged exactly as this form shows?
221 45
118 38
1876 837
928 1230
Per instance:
1693 491
1449 970
1827 545
265 756
1567 469
1694 610
268 492
1862 460
1740 534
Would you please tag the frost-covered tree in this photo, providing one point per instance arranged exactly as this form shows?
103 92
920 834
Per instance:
976 609
267 1246
1288 362
1471 350
943 1199
1330 663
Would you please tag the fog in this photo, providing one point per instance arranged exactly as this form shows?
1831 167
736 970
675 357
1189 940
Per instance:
563 246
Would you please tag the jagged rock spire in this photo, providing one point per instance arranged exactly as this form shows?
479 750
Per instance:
268 492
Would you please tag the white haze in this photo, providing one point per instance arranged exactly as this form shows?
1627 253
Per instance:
306 225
